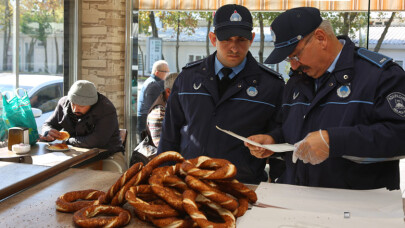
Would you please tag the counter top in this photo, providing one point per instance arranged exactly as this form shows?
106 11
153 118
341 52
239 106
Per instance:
36 205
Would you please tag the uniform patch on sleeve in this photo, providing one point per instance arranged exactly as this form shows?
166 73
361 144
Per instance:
374 57
397 103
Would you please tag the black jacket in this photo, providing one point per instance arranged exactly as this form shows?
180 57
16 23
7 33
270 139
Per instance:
98 128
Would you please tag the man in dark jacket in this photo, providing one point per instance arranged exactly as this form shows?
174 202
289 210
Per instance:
89 117
343 107
228 89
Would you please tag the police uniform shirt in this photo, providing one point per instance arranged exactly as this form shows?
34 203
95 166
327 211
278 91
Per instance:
362 106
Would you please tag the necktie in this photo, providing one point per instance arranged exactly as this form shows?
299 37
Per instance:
225 81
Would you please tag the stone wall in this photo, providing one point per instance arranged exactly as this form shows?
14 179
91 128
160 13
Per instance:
103 49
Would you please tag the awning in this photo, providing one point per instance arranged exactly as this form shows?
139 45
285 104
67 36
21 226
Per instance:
274 5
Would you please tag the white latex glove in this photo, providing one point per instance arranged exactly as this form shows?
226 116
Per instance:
313 149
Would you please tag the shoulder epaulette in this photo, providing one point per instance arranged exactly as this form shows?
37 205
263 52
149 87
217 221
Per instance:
271 71
374 57
191 64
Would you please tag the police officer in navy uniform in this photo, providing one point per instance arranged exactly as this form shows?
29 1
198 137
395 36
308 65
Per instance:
343 107
228 89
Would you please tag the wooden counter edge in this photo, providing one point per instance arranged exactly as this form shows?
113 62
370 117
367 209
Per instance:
52 171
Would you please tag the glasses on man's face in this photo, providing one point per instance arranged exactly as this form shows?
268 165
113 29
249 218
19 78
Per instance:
164 71
295 57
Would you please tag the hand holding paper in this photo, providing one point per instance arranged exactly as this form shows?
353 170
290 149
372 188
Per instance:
278 148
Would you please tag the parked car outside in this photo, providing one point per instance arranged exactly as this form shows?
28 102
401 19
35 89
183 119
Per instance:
44 92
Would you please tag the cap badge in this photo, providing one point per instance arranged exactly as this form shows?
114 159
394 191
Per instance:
299 37
235 16
252 91
343 91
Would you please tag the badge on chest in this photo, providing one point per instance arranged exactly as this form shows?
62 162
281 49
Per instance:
343 91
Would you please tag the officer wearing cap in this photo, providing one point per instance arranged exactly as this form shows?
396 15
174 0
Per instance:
343 107
89 117
228 89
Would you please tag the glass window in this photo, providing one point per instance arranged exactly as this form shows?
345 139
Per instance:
379 31
400 62
47 98
40 42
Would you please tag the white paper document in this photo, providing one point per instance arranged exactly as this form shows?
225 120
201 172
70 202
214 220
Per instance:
49 159
283 147
312 207
361 203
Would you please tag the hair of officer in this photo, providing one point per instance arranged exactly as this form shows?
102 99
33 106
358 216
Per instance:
327 27
169 80
158 65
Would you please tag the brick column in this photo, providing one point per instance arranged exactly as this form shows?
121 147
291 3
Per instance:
103 49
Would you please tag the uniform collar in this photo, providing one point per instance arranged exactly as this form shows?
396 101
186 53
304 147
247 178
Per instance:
321 80
344 69
218 66
333 65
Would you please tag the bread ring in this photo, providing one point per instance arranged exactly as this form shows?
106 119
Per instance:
165 157
142 175
242 200
67 202
195 167
242 208
190 206
85 217
234 186
173 222
171 170
156 211
125 177
64 135
167 194
211 193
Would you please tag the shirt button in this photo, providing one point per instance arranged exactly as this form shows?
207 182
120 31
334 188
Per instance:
331 84
345 77
239 85
211 78
254 81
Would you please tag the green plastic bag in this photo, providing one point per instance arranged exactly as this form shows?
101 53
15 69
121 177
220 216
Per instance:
3 128
17 112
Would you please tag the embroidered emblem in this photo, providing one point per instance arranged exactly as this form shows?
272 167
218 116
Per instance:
252 91
397 103
235 16
295 95
196 87
343 91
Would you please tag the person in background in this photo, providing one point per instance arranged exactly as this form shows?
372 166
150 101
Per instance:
229 89
343 108
89 117
158 109
151 89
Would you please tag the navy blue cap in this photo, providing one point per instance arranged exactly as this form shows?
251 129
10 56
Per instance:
233 20
289 28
